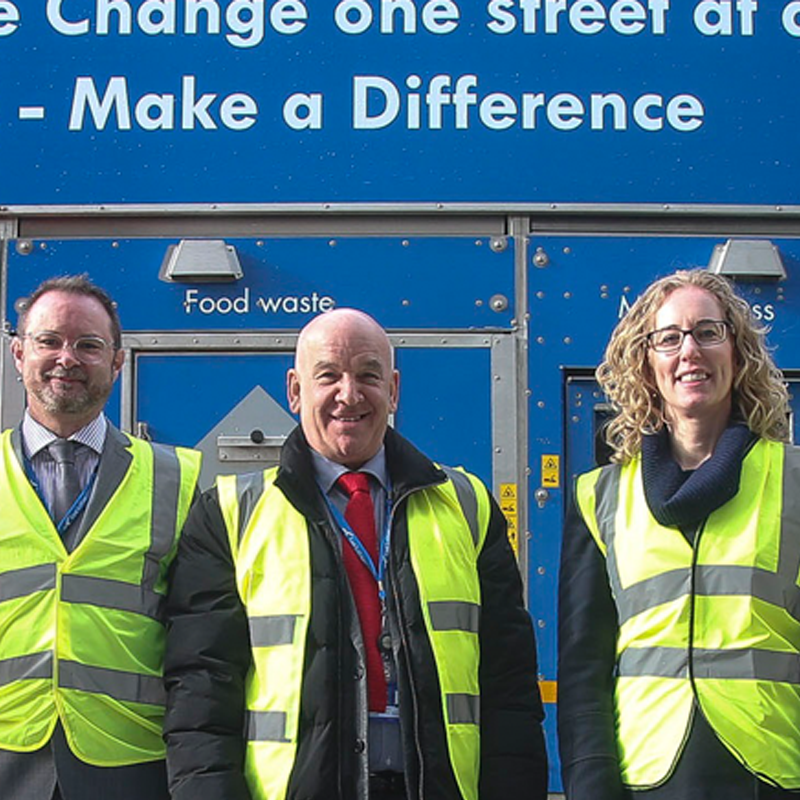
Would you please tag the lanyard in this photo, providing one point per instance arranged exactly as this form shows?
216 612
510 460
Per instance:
76 509
378 571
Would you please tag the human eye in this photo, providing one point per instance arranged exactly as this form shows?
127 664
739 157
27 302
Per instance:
708 332
371 377
48 342
326 376
667 338
90 346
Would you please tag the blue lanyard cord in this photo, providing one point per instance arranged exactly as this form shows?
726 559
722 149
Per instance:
378 571
77 507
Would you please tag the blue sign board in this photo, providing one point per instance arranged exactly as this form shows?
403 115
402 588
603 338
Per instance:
285 282
283 101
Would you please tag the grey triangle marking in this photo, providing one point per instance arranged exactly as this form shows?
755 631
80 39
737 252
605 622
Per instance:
257 412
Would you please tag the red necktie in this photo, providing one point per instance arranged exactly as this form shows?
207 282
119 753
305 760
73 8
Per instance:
360 515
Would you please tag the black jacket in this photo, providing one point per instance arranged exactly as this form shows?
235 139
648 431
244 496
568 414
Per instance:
208 655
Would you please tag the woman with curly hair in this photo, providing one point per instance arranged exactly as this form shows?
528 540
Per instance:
679 603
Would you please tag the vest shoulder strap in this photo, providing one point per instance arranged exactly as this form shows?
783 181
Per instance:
239 495
469 502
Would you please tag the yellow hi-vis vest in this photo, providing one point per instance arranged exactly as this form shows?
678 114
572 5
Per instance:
719 623
447 525
82 633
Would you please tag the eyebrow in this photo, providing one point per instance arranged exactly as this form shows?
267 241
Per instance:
371 363
318 365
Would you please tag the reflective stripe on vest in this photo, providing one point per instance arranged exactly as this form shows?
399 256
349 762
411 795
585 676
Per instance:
743 597
269 540
97 611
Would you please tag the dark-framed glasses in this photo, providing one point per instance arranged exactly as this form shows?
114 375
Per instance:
87 349
706 333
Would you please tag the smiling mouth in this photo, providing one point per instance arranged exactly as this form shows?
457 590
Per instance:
66 380
356 418
693 377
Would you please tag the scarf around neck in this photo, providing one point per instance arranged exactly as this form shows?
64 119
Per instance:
678 497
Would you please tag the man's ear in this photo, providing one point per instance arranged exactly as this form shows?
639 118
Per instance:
394 391
293 390
17 352
116 364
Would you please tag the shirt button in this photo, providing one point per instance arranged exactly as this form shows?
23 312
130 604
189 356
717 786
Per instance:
361 746
359 673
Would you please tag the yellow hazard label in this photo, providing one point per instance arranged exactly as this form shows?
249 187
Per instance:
549 690
508 491
551 471
510 509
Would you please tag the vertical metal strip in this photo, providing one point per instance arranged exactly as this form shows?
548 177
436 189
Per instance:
520 227
12 395
127 389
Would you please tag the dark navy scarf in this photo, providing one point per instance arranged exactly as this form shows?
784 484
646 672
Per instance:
683 498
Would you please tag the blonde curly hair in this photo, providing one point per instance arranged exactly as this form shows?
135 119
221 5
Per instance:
760 397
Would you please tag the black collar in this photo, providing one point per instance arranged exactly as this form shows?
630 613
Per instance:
408 469
678 497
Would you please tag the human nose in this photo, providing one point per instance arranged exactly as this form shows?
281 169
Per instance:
348 393
689 344
66 355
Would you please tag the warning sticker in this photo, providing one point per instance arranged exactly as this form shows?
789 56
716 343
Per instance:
510 509
551 471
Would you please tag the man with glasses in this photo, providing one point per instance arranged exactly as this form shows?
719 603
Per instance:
89 527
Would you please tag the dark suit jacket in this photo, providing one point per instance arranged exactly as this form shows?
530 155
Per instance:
32 776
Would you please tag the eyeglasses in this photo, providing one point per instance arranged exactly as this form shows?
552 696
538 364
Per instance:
707 333
87 349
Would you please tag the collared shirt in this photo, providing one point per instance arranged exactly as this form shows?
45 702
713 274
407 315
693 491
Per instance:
36 438
385 744
328 472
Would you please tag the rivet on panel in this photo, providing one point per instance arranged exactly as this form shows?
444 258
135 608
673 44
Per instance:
498 302
540 258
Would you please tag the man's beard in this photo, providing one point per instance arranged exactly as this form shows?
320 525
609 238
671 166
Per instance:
91 394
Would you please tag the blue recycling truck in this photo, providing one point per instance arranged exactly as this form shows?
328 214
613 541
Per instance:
494 180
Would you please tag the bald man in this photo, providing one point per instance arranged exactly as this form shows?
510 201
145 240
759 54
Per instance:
350 625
